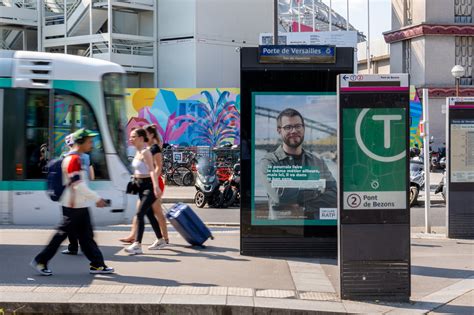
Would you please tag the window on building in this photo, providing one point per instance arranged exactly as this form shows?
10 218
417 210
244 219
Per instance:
463 11
464 53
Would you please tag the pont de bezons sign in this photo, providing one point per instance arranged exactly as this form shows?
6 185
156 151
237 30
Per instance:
297 54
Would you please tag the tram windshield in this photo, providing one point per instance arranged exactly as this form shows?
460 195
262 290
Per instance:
114 96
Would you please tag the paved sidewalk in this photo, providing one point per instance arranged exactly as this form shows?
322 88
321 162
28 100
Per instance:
217 279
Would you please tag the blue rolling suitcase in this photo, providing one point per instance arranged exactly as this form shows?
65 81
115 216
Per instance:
188 224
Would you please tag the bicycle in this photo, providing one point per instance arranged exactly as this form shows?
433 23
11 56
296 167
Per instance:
178 172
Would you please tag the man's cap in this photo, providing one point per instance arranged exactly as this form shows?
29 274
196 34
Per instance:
82 134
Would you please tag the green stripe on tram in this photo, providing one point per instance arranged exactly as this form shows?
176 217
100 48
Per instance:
22 185
41 185
6 82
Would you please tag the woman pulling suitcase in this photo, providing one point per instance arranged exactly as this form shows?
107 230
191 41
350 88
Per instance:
148 190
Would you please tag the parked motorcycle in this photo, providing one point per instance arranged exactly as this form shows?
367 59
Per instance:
207 184
436 158
231 191
417 180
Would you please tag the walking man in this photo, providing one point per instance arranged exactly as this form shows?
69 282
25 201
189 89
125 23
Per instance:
76 217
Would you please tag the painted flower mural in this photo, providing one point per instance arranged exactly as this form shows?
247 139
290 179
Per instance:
173 129
220 123
187 116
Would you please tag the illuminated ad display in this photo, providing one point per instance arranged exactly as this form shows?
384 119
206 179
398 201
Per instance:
294 158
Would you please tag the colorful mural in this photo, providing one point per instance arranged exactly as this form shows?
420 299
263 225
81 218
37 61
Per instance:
188 117
416 112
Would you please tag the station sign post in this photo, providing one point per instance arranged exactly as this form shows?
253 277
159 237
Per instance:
374 225
460 167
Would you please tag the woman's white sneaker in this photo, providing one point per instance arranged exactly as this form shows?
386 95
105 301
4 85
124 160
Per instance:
135 248
158 244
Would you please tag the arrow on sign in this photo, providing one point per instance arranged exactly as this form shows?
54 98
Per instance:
345 77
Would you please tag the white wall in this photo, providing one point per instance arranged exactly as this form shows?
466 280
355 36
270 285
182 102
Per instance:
176 18
218 64
238 20
177 64
419 10
418 61
398 17
396 57
440 11
440 58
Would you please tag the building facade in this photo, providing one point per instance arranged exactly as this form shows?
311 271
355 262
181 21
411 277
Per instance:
427 39
165 43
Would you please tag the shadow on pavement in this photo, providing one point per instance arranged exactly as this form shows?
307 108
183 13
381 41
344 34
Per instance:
74 270
209 252
440 272
425 245
454 309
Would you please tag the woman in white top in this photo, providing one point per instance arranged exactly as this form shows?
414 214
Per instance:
148 188
154 145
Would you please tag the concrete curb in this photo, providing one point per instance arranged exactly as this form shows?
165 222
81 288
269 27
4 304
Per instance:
132 308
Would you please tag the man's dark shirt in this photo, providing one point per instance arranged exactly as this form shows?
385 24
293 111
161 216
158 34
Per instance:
310 199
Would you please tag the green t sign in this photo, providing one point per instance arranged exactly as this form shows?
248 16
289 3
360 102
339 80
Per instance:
374 166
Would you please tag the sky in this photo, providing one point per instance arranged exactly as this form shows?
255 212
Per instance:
380 15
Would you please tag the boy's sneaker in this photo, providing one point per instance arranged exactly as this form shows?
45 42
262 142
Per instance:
68 252
101 269
41 268
135 248
158 244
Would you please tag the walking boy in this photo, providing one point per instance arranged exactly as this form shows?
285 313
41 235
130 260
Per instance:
76 218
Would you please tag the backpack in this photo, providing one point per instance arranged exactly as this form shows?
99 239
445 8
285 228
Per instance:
55 186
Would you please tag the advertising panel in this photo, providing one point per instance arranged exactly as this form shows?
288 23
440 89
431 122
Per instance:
294 158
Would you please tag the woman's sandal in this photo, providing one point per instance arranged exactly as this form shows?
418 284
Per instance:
127 240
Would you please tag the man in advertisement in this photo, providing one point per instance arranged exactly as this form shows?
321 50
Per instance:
297 182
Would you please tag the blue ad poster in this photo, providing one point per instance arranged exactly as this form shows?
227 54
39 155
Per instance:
294 159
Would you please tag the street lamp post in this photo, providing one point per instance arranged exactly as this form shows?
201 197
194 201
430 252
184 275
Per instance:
457 71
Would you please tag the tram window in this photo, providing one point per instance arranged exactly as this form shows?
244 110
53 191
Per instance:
71 112
36 134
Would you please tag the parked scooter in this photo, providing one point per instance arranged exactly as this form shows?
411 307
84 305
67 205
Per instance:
231 191
442 186
442 163
207 184
417 180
